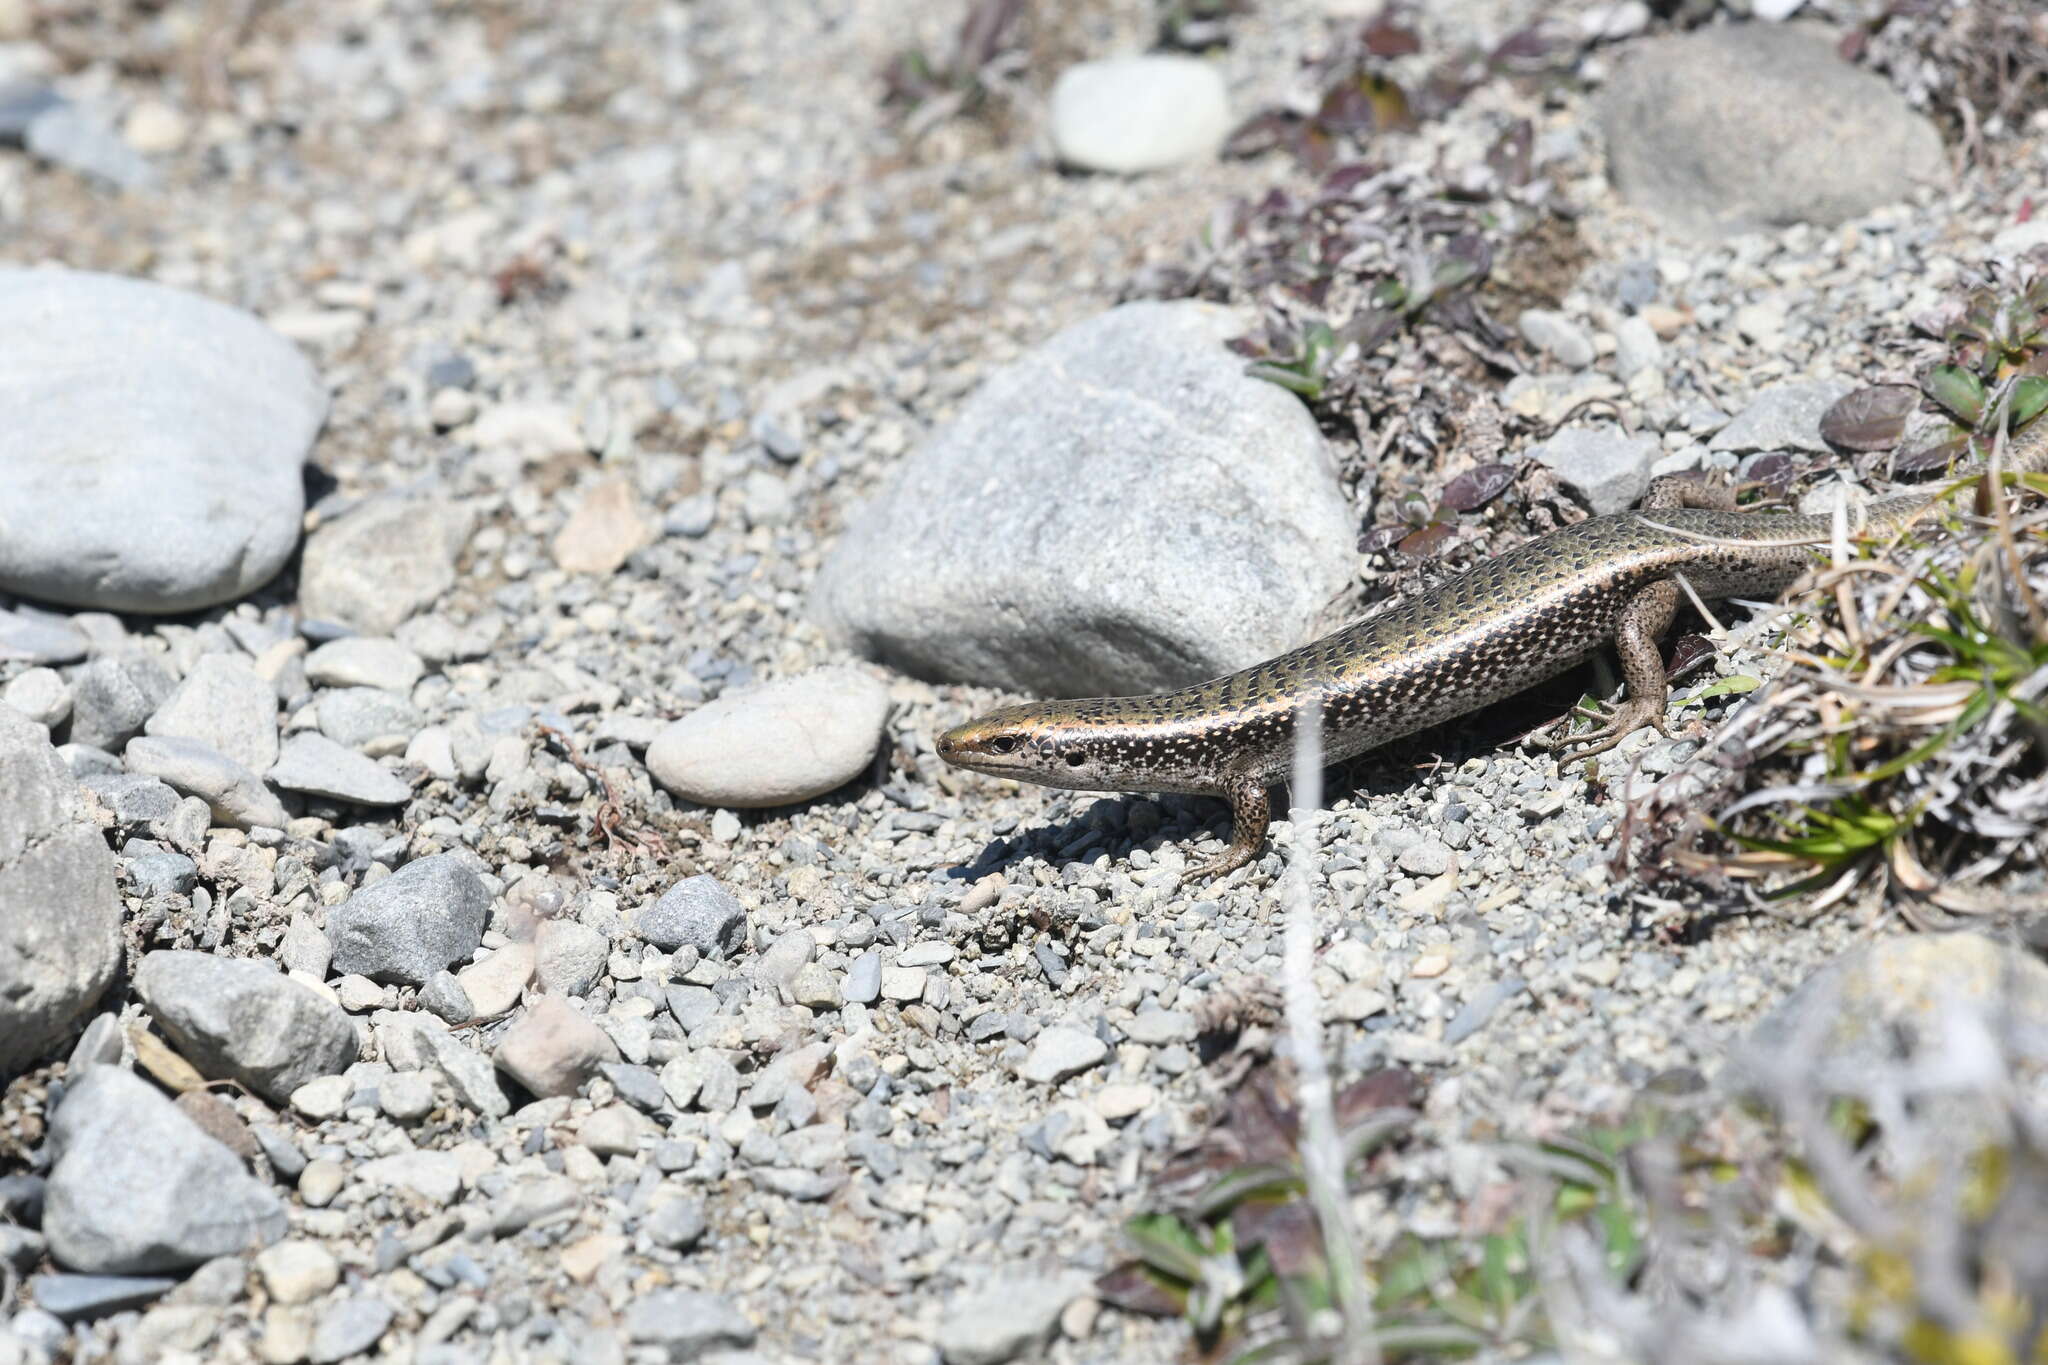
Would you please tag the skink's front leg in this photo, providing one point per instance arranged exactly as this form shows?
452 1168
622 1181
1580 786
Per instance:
1643 622
1251 810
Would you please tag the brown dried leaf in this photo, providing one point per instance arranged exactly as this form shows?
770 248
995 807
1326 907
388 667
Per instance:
1870 418
1429 541
1476 487
1135 1289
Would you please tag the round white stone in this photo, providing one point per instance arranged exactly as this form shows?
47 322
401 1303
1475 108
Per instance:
770 745
1133 114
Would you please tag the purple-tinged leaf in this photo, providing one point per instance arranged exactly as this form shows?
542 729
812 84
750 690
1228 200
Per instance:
2029 397
1689 653
1137 1288
1870 418
1261 133
1430 540
1776 470
1511 156
1287 1231
1381 539
1347 177
1927 459
1478 486
1385 36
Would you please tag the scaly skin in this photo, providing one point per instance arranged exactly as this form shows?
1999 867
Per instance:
1507 624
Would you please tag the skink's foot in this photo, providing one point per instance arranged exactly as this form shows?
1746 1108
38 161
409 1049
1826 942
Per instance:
1637 713
1250 811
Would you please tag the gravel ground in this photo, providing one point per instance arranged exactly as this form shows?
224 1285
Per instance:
570 997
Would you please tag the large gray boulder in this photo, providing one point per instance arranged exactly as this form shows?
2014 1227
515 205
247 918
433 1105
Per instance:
1120 510
150 460
1703 127
60 914
234 1017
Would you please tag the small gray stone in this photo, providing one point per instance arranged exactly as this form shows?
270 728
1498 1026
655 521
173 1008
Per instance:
41 694
79 139
137 406
365 661
1636 347
237 1018
676 1224
349 1328
137 1187
135 798
1010 1318
444 997
1128 115
83 1298
698 912
114 696
421 919
318 766
406 1096
863 984
235 795
1479 1010
38 641
223 704
569 957
1700 127
297 1271
685 1323
552 1049
162 873
60 912
1783 417
1188 489
469 1073
382 562
355 717
1611 468
692 517
1060 1052
775 744
1156 1027
1425 858
1557 336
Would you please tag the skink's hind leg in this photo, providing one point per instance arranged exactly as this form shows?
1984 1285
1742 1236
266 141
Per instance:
1643 622
1251 810
1675 490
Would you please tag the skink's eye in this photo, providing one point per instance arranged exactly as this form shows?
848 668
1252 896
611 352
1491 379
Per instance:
1077 758
1003 744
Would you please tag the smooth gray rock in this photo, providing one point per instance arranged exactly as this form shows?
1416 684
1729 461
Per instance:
784 741
161 874
83 1298
356 716
1097 517
60 911
238 1018
39 642
552 1048
376 566
1133 114
1701 127
134 798
676 1224
41 694
365 661
1060 1052
151 459
114 696
468 1072
1009 1319
698 911
424 917
137 1188
80 139
316 765
350 1328
569 957
235 795
1612 468
224 705
686 1323
1557 336
1782 417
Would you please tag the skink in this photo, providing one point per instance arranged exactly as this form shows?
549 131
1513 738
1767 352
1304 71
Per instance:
1516 620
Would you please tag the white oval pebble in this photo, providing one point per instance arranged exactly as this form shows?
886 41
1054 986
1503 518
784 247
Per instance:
771 745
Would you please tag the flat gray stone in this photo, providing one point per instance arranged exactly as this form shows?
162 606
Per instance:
1612 468
1128 115
60 912
1010 1319
376 566
316 765
41 694
697 911
357 716
39 642
1701 127
365 661
1097 517
235 795
233 1017
1062 1051
224 705
151 460
137 1188
686 1323
784 741
350 1328
569 957
80 139
84 1298
423 918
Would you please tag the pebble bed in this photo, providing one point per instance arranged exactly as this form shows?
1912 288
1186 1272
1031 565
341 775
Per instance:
591 957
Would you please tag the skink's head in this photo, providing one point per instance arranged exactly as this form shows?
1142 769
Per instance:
1032 742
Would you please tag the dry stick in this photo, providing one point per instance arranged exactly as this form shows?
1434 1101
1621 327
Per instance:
1322 1150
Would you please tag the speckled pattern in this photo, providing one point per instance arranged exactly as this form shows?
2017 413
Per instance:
1514 621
